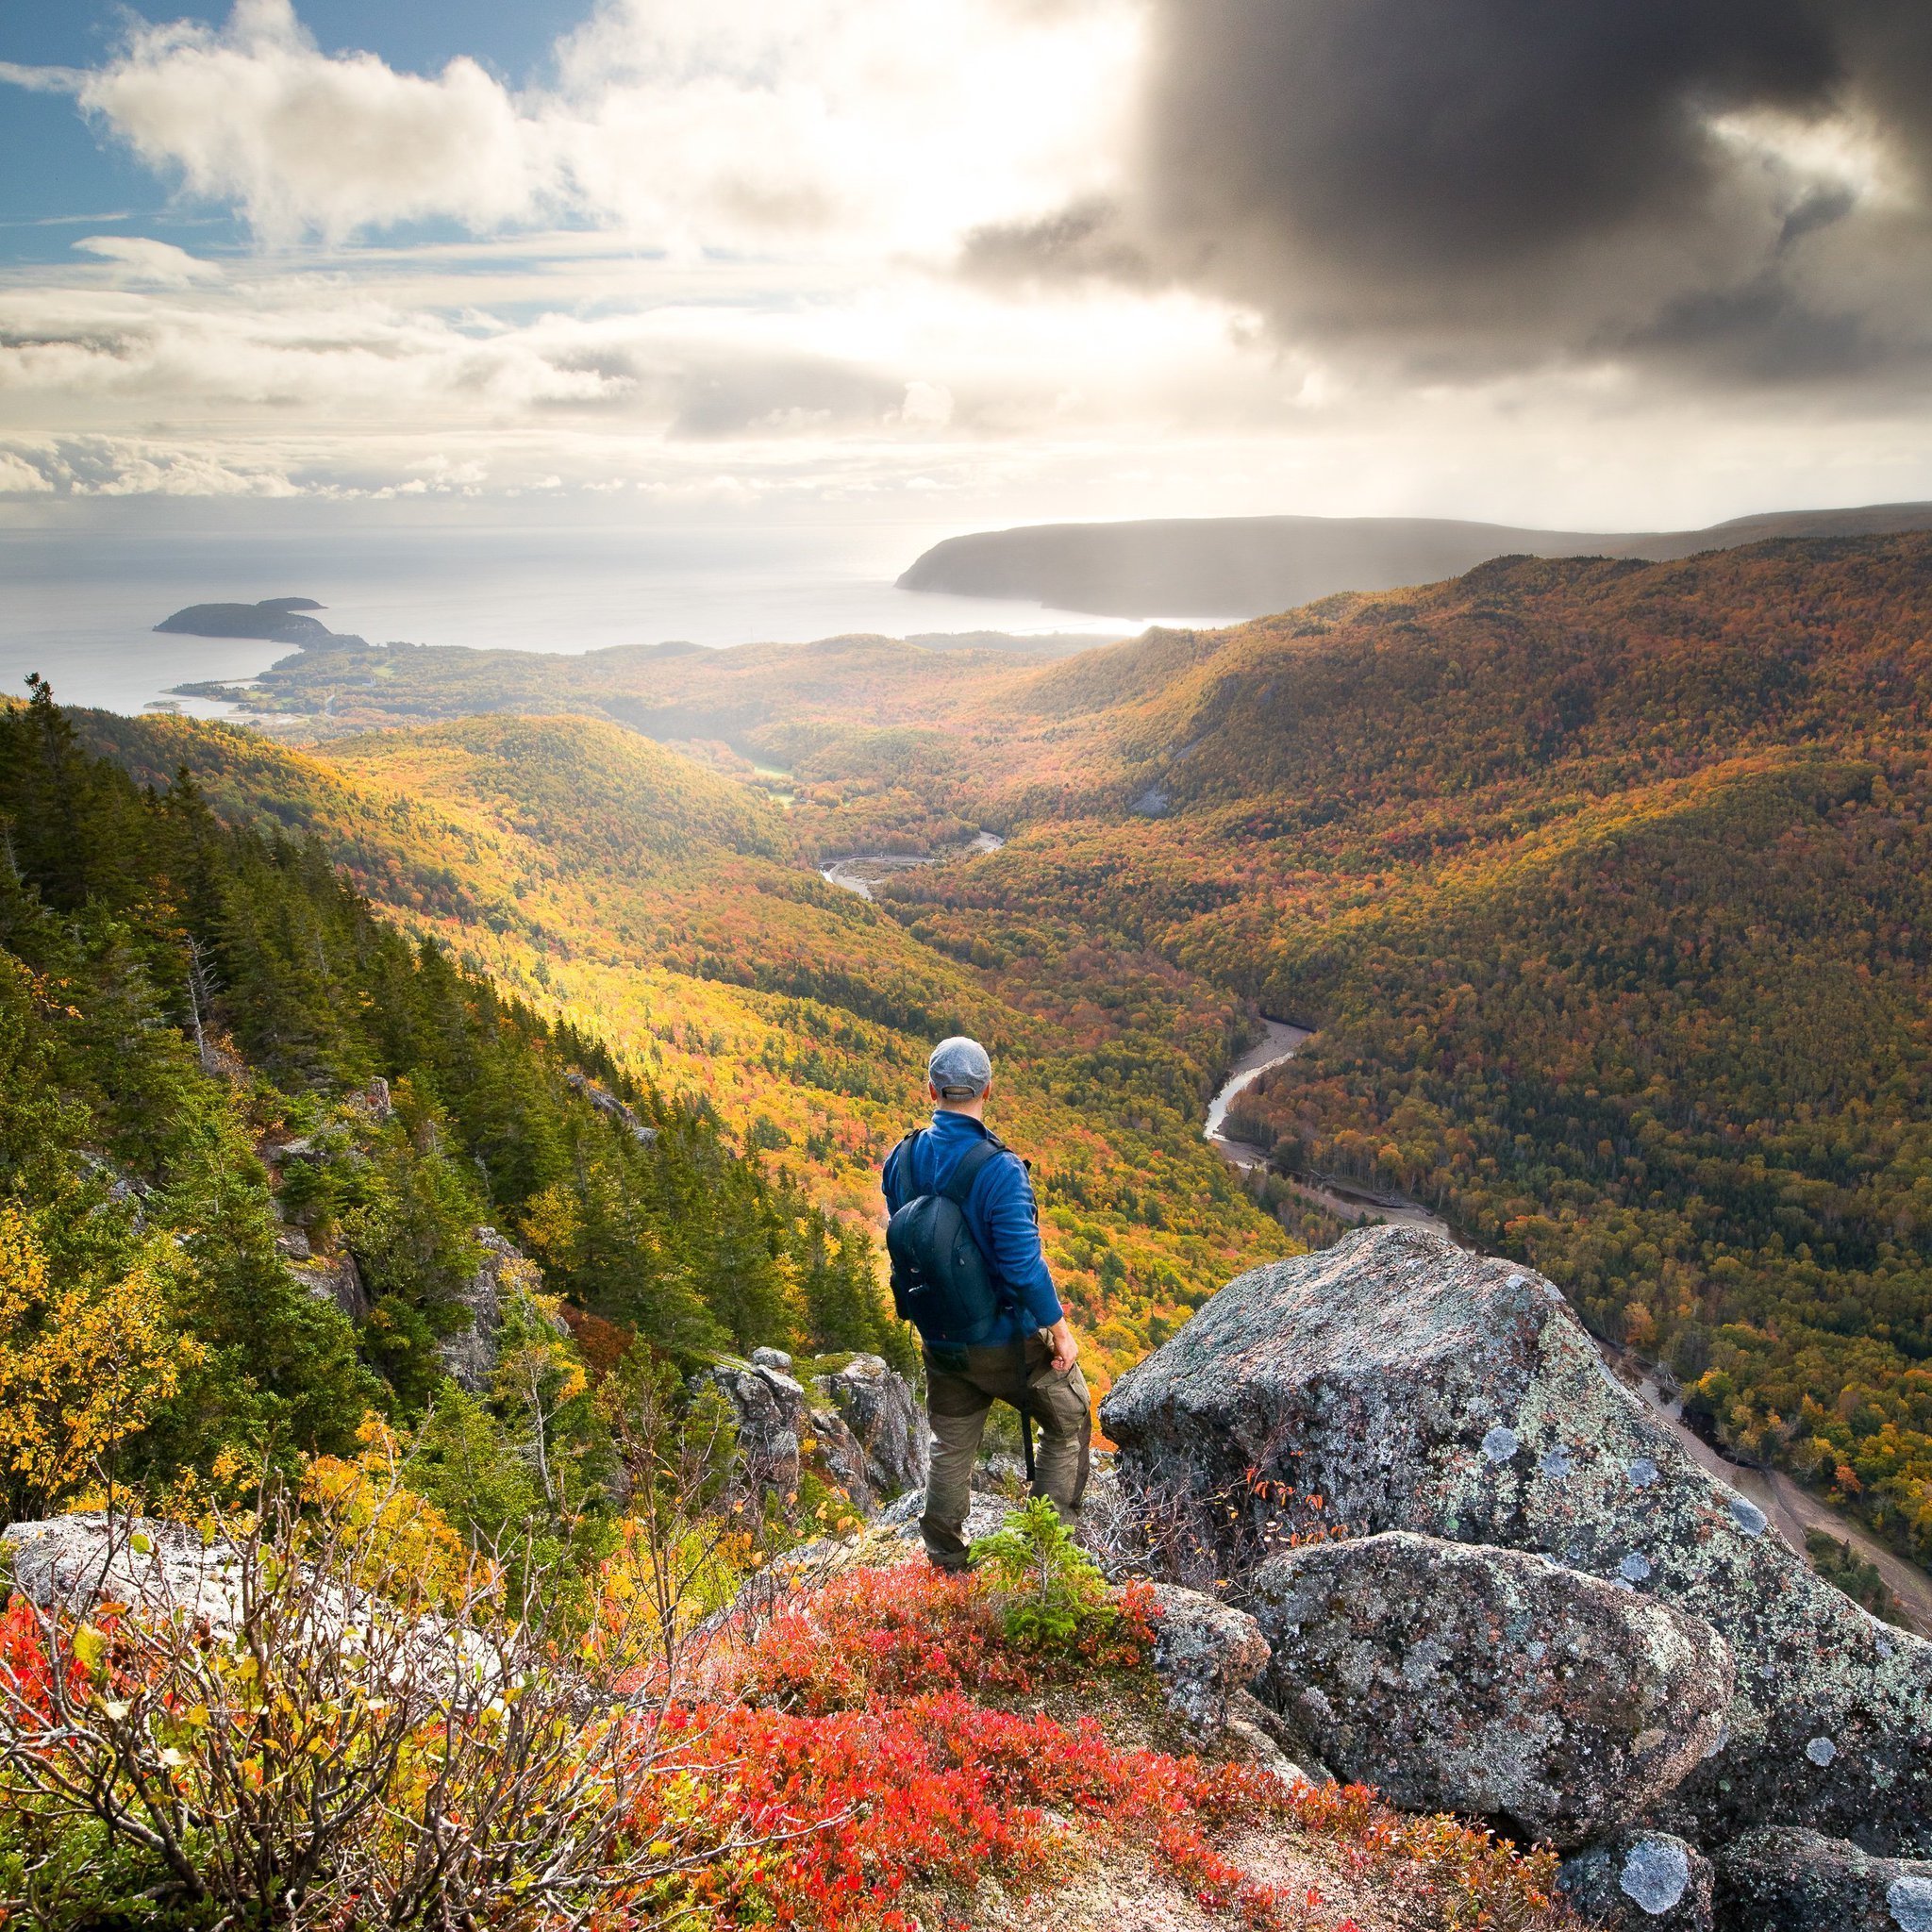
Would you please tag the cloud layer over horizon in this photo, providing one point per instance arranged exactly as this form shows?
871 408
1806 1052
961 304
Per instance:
1228 254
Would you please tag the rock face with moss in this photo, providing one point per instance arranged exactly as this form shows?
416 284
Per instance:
1796 1881
1413 1387
1489 1682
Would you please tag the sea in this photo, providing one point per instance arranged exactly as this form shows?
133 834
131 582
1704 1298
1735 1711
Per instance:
80 606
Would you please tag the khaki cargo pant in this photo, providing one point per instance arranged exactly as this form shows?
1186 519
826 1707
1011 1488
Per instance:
962 1386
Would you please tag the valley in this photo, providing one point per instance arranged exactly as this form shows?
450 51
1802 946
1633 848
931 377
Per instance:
1602 882
473 1104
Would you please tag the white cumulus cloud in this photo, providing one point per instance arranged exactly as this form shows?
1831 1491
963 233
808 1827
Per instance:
888 127
255 114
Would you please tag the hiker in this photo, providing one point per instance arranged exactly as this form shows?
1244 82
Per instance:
969 1274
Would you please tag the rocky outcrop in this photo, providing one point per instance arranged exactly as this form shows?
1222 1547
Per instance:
856 1429
1489 1682
1640 1881
1413 1387
470 1352
612 1108
1206 1654
768 1410
333 1278
1798 1881
876 1404
70 1562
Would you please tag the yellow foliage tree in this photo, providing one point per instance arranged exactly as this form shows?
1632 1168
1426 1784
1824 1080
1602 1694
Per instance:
83 1365
397 1537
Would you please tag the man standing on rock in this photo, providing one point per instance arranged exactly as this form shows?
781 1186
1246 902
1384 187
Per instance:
969 1274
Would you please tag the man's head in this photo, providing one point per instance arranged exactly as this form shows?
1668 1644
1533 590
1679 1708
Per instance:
958 1076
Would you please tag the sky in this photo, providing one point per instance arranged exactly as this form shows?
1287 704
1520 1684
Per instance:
1624 264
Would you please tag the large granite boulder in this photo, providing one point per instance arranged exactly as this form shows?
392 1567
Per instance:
1640 1881
877 1404
1413 1387
1206 1654
1783 1880
1489 1682
72 1562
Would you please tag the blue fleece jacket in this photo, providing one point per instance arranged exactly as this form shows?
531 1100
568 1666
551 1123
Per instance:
999 1210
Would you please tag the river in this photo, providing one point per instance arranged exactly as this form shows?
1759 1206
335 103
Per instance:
1349 1203
862 871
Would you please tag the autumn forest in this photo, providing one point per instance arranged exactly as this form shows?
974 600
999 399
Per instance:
1602 884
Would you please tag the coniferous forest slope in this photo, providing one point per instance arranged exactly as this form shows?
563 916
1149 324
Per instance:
184 1009
1604 883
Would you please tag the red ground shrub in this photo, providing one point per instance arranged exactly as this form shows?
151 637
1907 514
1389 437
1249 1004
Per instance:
910 1631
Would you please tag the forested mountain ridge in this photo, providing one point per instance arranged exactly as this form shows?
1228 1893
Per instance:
1243 566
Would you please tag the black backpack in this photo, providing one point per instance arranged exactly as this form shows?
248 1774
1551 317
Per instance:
941 1281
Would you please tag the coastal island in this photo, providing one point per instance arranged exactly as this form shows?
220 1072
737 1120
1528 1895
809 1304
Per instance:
278 619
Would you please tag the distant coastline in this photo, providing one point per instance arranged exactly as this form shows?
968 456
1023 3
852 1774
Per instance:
1224 569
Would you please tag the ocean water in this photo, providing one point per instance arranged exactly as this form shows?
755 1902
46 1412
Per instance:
79 607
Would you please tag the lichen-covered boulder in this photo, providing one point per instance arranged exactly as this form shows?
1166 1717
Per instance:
1414 1387
1640 1881
1205 1655
879 1408
72 1562
1785 1880
1489 1682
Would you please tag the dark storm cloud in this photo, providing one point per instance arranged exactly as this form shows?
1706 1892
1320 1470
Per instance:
1461 185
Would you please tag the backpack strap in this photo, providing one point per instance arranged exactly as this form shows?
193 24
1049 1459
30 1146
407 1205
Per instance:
967 1172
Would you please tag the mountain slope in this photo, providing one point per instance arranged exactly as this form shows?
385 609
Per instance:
252 1142
1605 883
662 908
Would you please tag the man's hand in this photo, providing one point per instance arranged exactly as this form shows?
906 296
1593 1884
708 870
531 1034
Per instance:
1066 1351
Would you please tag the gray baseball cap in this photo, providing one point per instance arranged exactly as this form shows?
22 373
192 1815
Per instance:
959 1069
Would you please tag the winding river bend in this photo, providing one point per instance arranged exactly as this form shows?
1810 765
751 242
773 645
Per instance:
1347 1202
862 871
